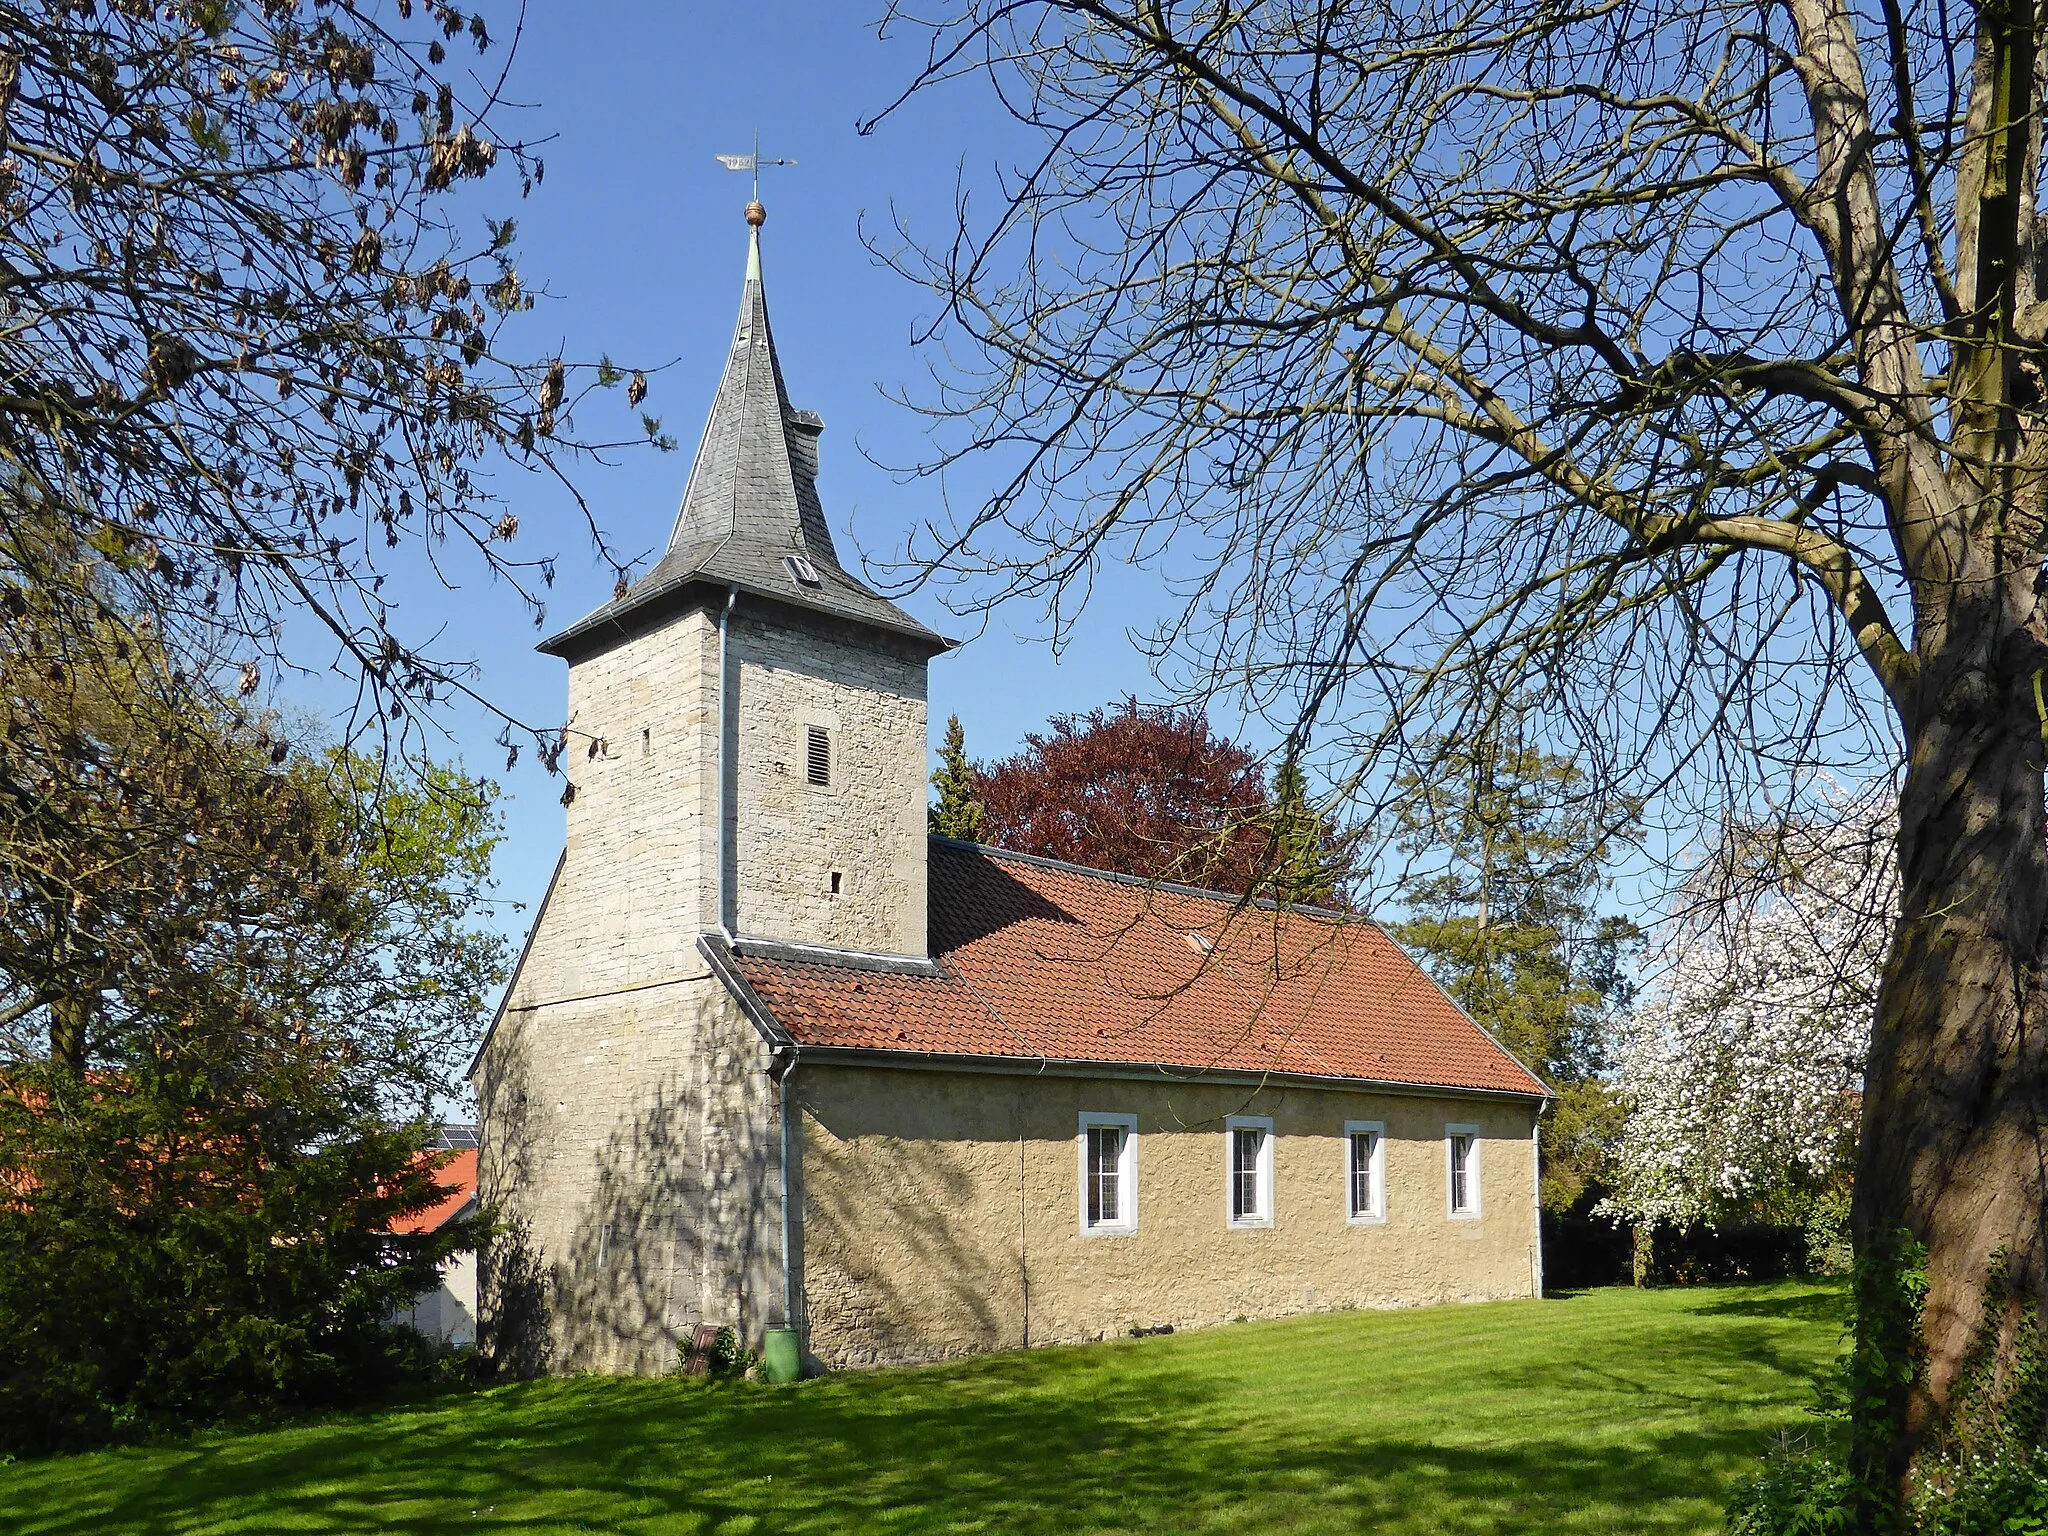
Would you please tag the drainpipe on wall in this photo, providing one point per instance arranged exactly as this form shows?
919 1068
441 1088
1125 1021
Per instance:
789 1303
728 899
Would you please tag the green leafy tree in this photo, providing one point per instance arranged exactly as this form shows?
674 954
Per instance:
234 978
959 810
161 843
195 1238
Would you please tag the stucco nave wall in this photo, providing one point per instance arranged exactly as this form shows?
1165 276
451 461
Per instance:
941 1210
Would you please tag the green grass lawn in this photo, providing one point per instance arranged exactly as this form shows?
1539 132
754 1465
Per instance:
1608 1411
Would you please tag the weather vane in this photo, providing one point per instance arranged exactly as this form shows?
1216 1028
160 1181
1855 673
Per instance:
752 163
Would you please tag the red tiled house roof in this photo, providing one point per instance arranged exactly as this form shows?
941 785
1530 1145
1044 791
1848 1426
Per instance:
458 1176
1038 961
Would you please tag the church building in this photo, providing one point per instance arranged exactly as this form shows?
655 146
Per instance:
775 1057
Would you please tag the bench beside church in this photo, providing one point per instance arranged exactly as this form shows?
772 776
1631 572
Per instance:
774 1057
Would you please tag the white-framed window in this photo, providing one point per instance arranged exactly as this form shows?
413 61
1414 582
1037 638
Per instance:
1365 1170
1248 1145
1109 1174
1461 1168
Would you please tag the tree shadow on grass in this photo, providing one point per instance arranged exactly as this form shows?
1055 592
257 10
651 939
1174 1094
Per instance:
1114 1438
1828 1306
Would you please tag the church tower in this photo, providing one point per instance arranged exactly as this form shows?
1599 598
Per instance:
747 723
747 766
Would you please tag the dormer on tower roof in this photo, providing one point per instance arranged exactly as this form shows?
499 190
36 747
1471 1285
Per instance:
751 519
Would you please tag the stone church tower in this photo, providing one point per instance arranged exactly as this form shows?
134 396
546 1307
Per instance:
747 747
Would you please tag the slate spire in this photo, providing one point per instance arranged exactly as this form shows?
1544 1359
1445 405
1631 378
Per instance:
750 518
756 472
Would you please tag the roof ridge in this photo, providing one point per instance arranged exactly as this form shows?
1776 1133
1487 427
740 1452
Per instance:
1122 877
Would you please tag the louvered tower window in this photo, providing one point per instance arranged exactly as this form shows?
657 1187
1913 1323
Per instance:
818 756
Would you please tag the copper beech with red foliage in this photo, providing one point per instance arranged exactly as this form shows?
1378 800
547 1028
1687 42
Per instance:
1145 790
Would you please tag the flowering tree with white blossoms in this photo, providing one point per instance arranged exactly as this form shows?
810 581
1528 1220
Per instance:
1743 1074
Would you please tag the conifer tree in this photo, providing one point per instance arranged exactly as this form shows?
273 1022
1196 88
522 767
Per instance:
1307 862
959 811
1511 849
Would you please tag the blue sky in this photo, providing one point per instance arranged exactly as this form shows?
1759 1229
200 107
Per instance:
637 237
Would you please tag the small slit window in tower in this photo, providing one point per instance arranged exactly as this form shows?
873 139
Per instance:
818 756
835 882
805 573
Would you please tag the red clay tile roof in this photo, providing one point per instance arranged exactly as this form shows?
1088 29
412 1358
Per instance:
460 1171
1046 961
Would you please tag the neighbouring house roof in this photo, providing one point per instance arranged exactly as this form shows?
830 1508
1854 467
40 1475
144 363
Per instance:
751 502
1039 961
460 1172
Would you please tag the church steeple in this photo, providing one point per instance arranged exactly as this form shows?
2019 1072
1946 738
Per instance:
756 473
750 517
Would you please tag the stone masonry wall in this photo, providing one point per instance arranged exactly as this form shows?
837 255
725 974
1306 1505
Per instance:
629 1125
868 824
639 879
634 1139
941 1211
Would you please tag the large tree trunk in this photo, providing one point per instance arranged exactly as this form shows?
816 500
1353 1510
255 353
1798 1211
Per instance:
1953 1145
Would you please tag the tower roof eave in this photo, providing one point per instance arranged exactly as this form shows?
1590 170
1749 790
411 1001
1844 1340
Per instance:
655 593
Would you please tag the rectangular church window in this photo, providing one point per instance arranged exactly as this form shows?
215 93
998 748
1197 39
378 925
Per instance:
818 756
1365 1170
1463 1144
1250 1140
1109 1173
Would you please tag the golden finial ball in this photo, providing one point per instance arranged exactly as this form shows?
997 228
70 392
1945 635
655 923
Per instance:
756 214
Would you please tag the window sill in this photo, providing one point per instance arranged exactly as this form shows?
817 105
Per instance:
1366 1221
1109 1231
1251 1224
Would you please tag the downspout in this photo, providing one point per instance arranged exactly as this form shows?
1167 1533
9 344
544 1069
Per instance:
728 905
1536 1171
789 1307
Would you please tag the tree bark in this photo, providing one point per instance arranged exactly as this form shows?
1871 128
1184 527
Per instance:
1955 1117
67 1034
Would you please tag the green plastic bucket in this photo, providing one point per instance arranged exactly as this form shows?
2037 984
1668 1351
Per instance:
782 1356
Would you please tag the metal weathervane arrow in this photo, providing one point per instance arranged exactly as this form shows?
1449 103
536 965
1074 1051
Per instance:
751 163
